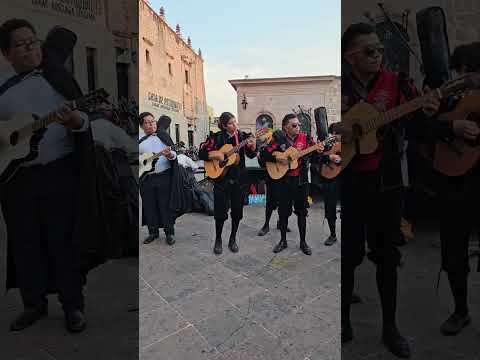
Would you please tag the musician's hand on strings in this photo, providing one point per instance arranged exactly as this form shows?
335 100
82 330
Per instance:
251 144
335 158
68 117
321 147
167 152
431 105
467 129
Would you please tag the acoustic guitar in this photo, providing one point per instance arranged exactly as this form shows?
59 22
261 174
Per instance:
331 169
360 124
20 135
216 169
277 170
148 160
457 157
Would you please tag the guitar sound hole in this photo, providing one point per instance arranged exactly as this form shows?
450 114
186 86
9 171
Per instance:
222 163
14 138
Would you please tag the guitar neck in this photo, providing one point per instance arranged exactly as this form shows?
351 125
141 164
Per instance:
400 111
309 150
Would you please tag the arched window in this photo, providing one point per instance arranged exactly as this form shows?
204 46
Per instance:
264 121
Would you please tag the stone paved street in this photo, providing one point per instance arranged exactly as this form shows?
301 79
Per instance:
420 309
246 306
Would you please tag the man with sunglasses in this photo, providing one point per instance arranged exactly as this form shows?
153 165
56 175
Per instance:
372 184
293 187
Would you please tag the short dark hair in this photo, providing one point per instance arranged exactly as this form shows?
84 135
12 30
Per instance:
467 55
6 30
143 115
224 119
354 31
287 118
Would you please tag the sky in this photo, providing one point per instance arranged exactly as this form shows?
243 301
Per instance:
258 38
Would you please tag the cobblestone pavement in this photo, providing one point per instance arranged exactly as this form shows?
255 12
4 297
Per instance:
420 309
246 306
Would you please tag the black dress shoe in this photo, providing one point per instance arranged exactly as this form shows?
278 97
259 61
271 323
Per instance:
280 246
263 231
347 333
28 317
396 343
454 324
75 321
170 239
305 248
150 238
232 245
330 241
217 249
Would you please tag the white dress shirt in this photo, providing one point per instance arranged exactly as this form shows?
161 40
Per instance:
154 145
33 94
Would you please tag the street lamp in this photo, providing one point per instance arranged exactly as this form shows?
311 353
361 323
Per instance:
244 102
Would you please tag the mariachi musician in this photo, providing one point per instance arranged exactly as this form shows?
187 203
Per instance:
229 190
294 185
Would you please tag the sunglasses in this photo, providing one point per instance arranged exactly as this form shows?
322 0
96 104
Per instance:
369 51
294 125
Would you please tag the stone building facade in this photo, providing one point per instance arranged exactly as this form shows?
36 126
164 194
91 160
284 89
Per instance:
106 49
171 77
264 102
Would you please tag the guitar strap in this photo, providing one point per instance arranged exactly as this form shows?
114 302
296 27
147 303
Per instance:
144 138
14 80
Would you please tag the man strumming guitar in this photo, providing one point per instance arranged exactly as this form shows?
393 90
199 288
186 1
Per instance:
52 215
372 183
229 190
293 187
458 197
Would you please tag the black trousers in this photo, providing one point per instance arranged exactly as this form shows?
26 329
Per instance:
39 205
292 194
330 199
272 196
155 192
370 217
458 219
228 194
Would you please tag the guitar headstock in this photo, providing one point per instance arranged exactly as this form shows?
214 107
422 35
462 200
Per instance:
89 102
468 81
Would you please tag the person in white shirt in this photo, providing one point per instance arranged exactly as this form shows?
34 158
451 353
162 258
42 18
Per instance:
155 189
40 202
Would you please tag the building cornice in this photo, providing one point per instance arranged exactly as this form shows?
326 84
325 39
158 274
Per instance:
278 80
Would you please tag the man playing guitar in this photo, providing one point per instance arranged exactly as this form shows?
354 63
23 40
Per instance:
293 187
459 195
229 190
156 188
372 183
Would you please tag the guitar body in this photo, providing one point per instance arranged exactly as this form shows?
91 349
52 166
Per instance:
146 165
277 170
17 146
331 170
354 123
459 157
216 169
